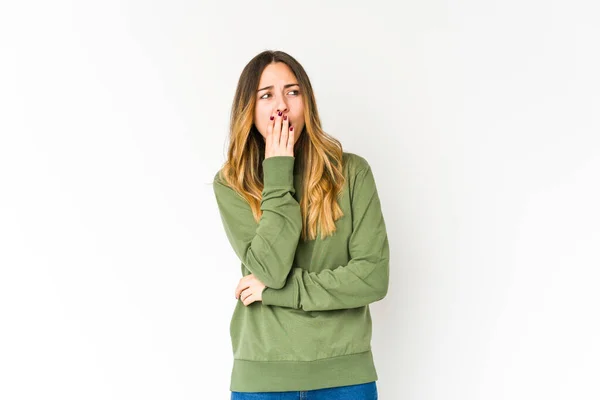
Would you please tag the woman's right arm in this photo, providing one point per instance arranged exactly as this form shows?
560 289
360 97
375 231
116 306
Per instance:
266 248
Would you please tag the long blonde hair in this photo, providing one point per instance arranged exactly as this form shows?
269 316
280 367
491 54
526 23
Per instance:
323 177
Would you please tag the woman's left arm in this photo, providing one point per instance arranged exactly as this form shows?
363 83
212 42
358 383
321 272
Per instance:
363 280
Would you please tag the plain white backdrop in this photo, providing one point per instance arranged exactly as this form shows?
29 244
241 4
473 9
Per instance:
480 120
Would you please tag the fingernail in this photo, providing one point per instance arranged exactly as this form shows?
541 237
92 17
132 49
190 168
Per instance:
291 128
279 113
285 117
271 118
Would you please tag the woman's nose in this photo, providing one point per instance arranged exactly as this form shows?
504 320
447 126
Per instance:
282 105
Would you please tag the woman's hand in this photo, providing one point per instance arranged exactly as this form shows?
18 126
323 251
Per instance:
249 289
280 137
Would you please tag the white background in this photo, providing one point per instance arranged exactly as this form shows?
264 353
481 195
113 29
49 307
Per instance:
480 120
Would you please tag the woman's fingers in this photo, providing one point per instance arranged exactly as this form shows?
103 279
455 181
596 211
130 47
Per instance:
248 299
242 285
277 128
269 138
284 133
245 293
278 142
290 142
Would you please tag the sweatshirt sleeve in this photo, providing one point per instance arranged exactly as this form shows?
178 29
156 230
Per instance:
363 280
266 248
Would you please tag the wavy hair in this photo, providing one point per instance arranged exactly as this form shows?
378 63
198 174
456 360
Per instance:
321 153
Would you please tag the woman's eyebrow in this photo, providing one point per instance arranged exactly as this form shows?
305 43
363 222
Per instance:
285 87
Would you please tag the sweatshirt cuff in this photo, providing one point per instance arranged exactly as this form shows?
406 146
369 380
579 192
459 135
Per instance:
287 296
278 171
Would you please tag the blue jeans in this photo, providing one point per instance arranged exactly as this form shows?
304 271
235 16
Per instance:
362 391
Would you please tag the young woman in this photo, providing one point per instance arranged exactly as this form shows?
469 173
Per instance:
305 220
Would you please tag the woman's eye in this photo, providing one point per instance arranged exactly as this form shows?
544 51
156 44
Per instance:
269 94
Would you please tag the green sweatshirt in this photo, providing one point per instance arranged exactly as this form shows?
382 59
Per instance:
312 329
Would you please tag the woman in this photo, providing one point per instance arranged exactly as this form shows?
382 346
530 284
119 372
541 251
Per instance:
305 220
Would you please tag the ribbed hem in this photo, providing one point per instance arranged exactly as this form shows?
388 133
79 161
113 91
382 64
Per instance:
281 376
278 171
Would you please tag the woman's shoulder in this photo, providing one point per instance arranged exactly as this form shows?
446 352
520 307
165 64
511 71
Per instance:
219 181
354 163
218 178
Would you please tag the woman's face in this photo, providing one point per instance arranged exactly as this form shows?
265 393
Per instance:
278 90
